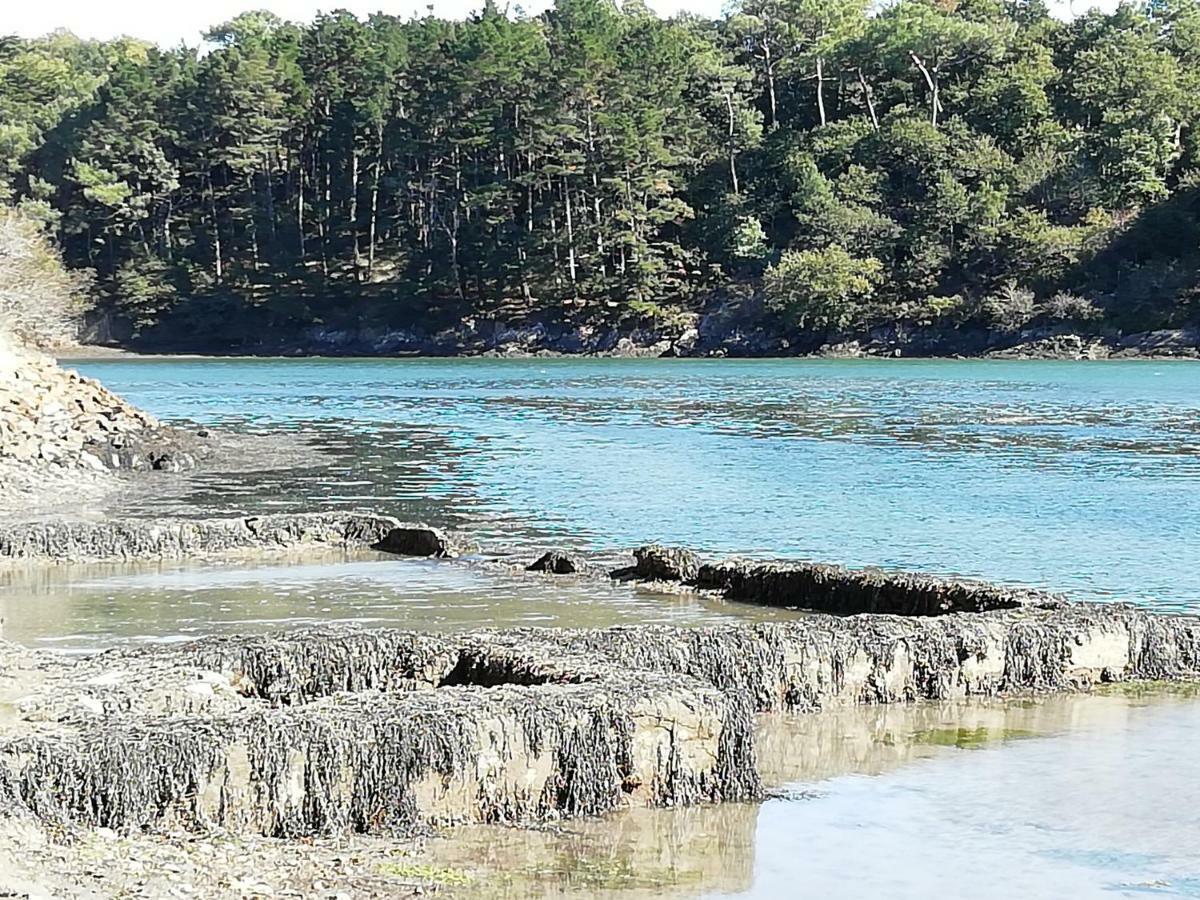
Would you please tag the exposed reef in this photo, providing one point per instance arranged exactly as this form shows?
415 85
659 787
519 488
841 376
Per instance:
326 731
158 539
827 588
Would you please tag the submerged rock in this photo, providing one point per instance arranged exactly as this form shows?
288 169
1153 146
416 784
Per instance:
556 562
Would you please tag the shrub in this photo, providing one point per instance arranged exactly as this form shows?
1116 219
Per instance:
821 289
1010 308
41 303
936 309
1066 307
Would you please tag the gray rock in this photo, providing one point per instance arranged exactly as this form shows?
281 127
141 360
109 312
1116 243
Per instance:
416 540
658 563
556 562
842 591
337 730
152 539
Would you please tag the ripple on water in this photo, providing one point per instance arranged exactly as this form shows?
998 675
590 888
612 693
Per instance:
1081 477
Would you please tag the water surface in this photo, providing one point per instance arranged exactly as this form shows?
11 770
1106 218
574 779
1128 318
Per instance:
86 608
1050 798
1076 476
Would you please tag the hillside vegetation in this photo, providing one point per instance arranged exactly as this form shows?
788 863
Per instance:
939 162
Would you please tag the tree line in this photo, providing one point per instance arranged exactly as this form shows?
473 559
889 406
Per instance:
933 161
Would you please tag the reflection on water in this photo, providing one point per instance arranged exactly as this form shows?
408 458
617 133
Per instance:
85 608
1081 477
1078 797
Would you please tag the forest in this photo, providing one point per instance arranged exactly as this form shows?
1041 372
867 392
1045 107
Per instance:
937 162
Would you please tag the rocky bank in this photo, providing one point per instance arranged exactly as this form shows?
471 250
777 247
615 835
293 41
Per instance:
333 731
723 327
127 540
51 416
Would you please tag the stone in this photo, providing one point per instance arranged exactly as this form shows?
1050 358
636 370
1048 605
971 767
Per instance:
157 539
416 540
556 562
842 591
658 563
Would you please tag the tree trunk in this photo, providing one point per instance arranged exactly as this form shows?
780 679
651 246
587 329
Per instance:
821 90
570 232
168 242
355 255
733 176
931 80
769 68
870 98
251 223
591 139
300 211
374 227
216 227
325 218
269 200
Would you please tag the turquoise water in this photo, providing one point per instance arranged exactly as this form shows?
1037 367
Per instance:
1082 477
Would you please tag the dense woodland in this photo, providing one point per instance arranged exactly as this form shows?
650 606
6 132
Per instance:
932 161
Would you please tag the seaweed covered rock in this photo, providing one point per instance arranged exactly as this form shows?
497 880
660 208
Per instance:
154 539
416 540
326 730
842 591
556 562
654 562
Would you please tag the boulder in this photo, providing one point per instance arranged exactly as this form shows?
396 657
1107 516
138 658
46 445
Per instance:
658 563
416 540
556 562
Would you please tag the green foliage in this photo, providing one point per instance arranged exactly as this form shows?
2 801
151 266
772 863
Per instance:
822 290
1009 308
1067 307
598 161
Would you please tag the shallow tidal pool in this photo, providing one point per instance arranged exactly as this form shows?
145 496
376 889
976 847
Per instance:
1079 796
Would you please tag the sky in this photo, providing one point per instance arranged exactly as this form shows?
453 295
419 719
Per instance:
168 22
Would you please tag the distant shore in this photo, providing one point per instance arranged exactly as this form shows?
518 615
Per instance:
539 340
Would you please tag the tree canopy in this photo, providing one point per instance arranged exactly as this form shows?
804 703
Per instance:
921 162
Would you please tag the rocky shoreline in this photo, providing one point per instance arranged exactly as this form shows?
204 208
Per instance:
714 334
50 416
127 540
320 734
332 731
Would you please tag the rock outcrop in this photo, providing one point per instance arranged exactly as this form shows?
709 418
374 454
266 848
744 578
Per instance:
654 562
416 540
121 540
828 588
556 562
53 416
385 731
836 589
